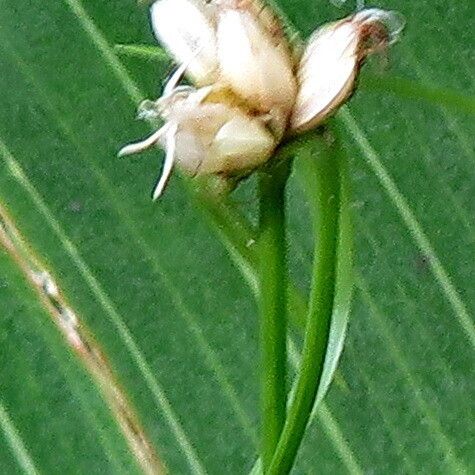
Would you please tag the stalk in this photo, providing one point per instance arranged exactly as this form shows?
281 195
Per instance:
324 169
272 298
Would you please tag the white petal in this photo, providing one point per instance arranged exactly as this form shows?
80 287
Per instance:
241 144
252 63
186 30
326 75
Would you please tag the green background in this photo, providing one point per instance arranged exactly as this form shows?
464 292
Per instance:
162 297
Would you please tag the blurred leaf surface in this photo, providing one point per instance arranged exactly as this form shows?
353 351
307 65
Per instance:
52 417
160 293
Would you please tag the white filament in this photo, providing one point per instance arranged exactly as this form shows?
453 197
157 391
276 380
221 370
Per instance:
170 146
145 144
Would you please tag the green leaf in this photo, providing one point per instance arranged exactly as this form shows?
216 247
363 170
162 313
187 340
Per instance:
160 294
344 267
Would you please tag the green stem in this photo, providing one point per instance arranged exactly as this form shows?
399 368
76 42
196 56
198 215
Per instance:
271 248
236 233
325 170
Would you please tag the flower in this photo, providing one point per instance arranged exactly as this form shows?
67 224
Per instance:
250 92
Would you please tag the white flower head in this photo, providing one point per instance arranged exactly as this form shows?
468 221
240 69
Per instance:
250 91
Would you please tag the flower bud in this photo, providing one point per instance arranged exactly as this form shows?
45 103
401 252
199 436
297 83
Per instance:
254 60
330 63
186 29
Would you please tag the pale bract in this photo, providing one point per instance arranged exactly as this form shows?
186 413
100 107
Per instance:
249 91
186 28
330 63
256 64
231 140
333 50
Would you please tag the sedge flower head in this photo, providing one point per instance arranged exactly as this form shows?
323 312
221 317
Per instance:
250 88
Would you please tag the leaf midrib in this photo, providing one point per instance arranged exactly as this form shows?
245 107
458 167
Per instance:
412 224
111 311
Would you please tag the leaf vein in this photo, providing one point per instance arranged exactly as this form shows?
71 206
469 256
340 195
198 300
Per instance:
16 443
412 224
114 316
